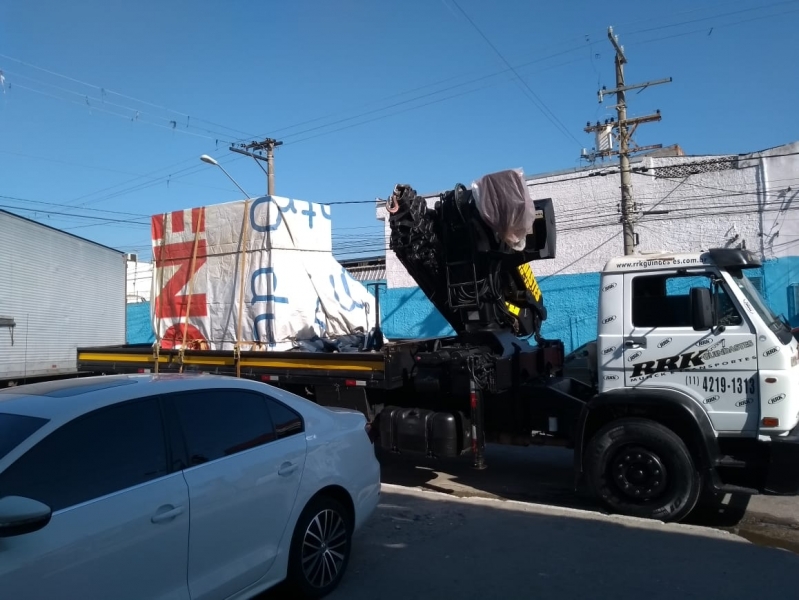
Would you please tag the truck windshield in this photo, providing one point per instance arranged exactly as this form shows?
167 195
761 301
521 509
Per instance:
749 291
15 429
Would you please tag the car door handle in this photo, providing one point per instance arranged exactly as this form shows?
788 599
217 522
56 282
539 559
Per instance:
286 469
635 342
167 515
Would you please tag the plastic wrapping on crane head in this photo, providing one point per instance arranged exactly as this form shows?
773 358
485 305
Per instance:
505 205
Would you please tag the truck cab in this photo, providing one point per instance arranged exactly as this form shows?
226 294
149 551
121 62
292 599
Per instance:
686 342
696 324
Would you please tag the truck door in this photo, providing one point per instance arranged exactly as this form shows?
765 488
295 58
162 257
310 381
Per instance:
717 368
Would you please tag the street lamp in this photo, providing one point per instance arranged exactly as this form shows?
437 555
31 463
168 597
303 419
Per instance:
211 161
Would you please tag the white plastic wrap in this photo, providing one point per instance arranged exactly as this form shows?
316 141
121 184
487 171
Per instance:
289 287
505 205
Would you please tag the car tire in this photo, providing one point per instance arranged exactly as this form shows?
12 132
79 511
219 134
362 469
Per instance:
640 468
320 548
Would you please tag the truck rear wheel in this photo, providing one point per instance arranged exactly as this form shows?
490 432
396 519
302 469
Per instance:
640 468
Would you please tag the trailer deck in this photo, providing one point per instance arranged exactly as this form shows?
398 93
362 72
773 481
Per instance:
385 369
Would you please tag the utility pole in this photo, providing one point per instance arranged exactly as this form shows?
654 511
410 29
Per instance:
255 150
625 128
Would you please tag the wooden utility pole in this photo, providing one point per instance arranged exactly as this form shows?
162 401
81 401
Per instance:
625 128
254 149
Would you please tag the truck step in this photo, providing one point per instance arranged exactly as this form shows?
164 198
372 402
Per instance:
729 461
728 488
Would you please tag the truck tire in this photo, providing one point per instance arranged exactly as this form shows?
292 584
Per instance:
640 468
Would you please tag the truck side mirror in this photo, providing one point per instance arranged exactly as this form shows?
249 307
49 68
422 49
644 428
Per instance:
701 309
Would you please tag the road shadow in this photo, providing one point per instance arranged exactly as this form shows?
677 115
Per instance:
529 474
444 547
534 474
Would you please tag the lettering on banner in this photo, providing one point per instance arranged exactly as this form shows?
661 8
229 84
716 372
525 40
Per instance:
317 320
255 225
171 303
310 213
353 304
268 316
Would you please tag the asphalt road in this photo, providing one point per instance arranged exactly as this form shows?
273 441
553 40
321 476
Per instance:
517 530
544 475
422 544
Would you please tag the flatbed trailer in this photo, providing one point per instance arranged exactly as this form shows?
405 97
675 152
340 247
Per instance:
382 370
437 376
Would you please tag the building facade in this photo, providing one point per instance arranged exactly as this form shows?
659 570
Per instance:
682 203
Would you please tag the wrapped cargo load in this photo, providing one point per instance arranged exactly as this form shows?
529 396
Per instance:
257 274
506 206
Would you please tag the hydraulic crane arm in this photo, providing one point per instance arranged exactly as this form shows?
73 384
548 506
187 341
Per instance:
473 276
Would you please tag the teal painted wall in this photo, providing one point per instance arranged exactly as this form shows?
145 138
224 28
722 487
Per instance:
571 302
139 328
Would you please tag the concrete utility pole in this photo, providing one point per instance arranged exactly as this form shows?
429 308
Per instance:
625 133
269 146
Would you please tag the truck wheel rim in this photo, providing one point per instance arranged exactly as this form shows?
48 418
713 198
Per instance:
639 473
324 548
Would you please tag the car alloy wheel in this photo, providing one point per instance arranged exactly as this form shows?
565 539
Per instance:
324 548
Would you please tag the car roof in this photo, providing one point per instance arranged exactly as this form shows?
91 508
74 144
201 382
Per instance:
64 399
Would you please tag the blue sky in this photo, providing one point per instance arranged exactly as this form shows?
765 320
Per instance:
109 104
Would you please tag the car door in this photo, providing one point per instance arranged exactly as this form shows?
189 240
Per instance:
120 524
717 367
243 480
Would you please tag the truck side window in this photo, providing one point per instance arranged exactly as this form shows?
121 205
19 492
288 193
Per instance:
664 301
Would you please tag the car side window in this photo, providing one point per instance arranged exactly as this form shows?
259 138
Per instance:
287 422
219 422
105 451
664 301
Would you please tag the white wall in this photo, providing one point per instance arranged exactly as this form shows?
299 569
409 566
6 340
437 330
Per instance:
140 279
712 201
62 292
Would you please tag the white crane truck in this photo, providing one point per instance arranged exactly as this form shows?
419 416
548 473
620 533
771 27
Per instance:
694 380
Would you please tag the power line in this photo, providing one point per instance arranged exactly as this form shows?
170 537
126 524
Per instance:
380 117
27 200
722 26
710 17
54 212
97 168
135 115
107 111
536 100
105 91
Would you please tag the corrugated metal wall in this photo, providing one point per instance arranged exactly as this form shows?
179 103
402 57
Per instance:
61 291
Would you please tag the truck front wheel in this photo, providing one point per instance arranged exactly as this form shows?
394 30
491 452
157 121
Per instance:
640 468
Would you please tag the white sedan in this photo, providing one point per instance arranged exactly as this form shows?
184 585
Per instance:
182 487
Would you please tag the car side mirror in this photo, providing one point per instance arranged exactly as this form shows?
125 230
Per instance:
19 515
701 309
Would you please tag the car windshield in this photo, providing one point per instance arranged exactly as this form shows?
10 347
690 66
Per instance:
750 293
15 429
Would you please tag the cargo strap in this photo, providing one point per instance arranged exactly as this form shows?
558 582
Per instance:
191 286
159 300
245 222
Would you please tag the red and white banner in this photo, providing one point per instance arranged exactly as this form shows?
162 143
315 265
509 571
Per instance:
260 272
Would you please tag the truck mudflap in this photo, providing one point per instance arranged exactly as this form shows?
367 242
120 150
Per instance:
782 478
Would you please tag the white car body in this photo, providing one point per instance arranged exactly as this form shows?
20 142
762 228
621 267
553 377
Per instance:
220 529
